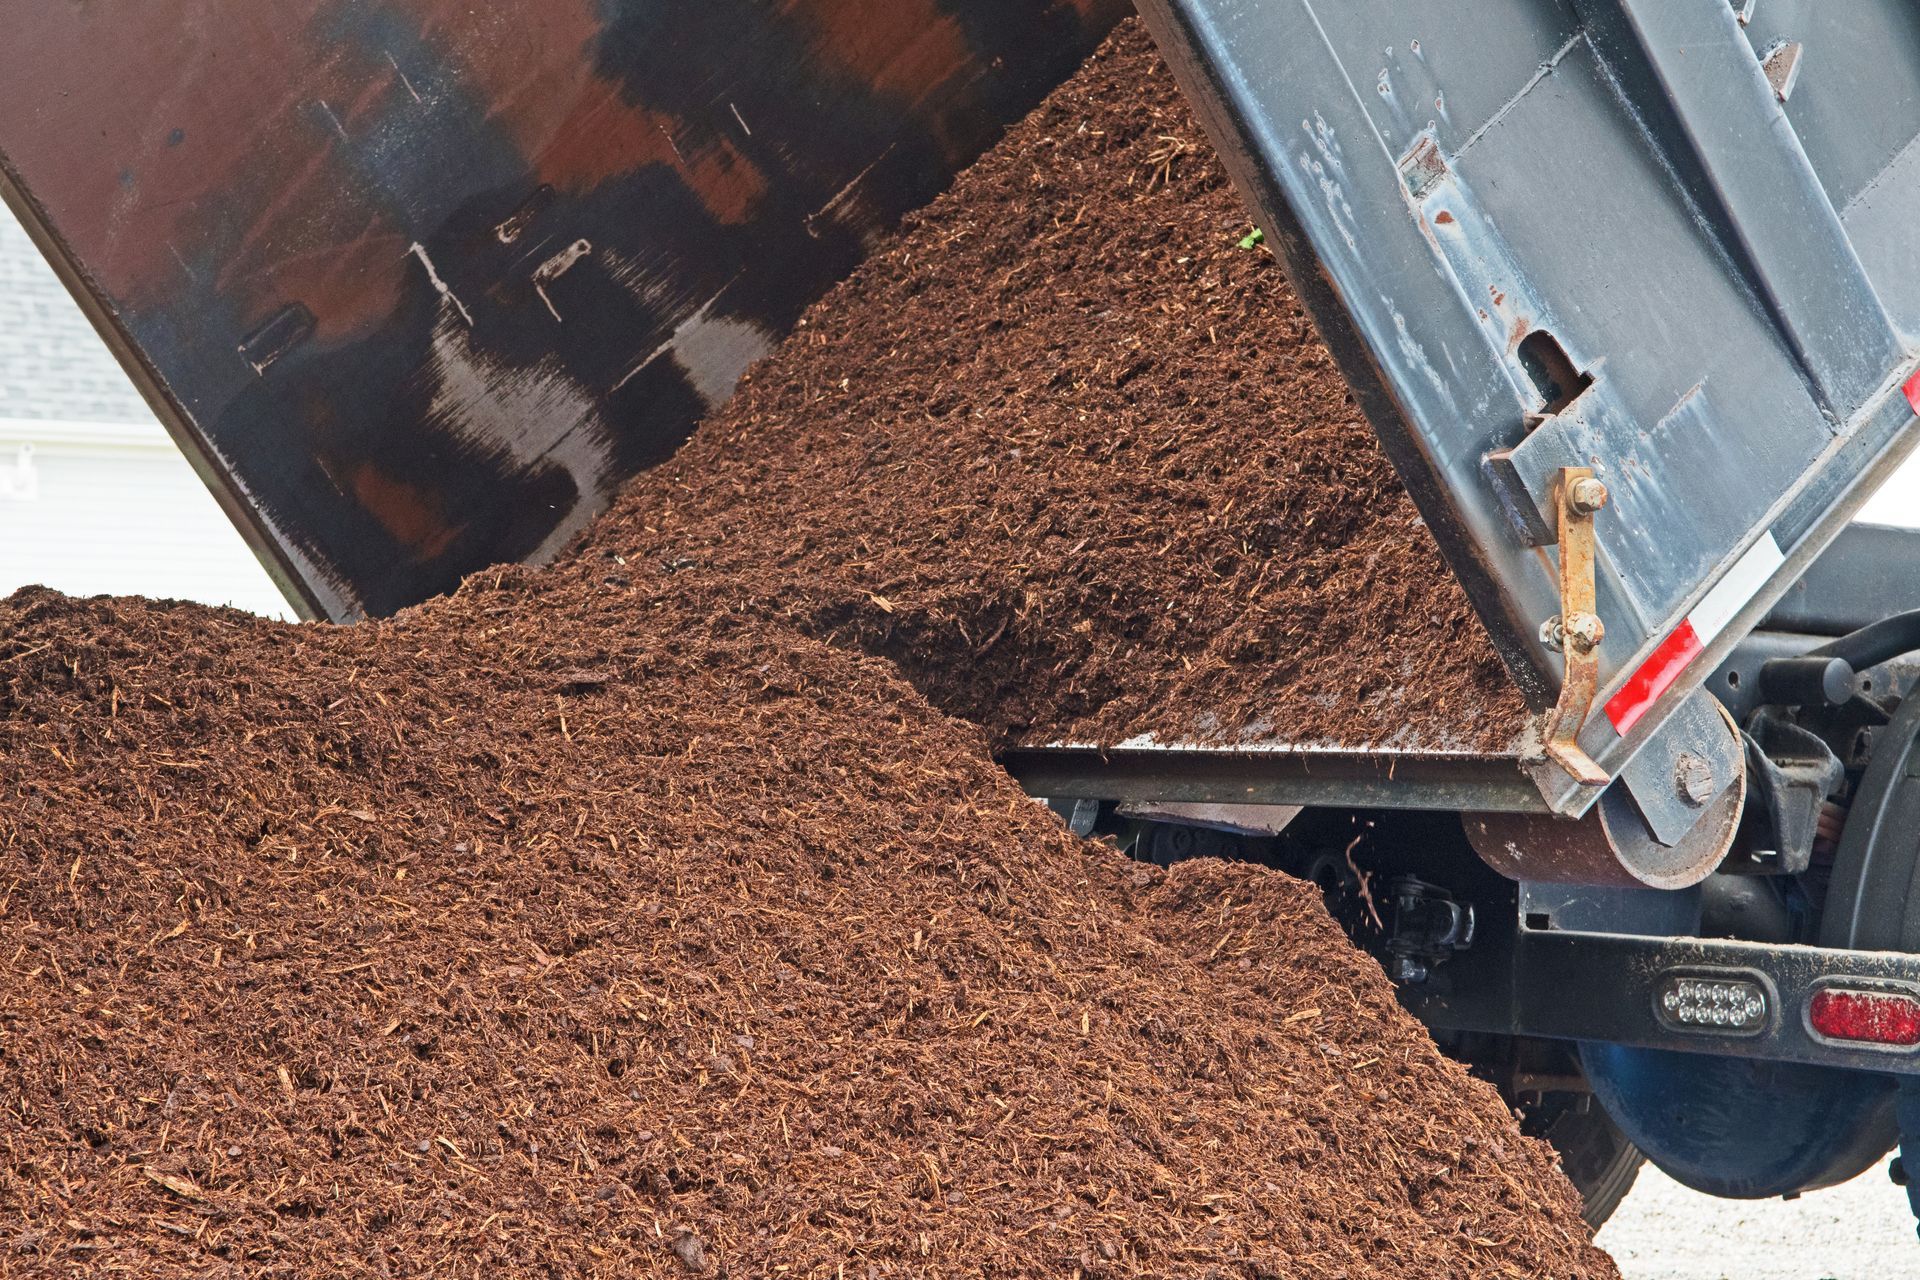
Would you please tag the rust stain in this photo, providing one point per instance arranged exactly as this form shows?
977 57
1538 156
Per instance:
262 178
350 281
135 181
603 137
162 169
1443 218
408 512
188 160
906 49
187 157
147 190
1582 631
575 127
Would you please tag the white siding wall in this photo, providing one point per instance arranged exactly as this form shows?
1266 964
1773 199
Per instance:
94 498
93 508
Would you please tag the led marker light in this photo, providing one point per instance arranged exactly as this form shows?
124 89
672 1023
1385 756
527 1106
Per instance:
1725 1004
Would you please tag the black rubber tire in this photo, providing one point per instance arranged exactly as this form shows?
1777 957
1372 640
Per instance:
1598 1159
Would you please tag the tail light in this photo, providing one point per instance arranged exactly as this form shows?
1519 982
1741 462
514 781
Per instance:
1887 1019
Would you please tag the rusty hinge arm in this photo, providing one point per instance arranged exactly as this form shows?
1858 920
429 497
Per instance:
1577 495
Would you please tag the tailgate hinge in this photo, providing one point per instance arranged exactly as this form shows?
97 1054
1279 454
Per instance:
1577 629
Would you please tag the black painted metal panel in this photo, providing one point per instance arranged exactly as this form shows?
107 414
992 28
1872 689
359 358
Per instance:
418 283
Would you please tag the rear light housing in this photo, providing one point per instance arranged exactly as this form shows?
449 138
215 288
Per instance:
1865 1015
1725 1002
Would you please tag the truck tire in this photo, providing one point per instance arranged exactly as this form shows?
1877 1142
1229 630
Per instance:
1598 1159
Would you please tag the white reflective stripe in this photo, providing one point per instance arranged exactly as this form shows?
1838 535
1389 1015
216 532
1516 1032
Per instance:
1711 616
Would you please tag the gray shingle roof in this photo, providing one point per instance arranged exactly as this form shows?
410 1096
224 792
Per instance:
52 363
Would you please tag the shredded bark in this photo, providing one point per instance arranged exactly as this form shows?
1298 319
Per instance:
555 931
1078 463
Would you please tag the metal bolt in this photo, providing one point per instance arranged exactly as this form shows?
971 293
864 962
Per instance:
1407 971
1693 779
1583 631
1586 496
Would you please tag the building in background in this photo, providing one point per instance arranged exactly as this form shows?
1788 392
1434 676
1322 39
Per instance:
94 496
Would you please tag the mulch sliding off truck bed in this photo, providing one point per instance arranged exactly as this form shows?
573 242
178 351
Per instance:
1077 462
624 918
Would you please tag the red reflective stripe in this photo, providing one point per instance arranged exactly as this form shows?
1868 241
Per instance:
1655 676
1913 392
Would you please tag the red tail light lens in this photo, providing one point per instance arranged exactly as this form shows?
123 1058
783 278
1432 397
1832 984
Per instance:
1866 1017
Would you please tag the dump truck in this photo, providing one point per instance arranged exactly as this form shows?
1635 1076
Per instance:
1628 289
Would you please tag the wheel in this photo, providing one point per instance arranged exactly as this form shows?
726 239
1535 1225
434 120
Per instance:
1598 1159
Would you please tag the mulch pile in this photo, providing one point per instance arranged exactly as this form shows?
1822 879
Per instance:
1078 464
541 933
609 920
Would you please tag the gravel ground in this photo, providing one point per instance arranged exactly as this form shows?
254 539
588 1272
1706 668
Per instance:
1861 1230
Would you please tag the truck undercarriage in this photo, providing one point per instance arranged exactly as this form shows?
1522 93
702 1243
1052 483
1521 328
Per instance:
1753 1033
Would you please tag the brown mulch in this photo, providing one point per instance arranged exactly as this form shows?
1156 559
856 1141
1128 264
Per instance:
559 931
627 918
1078 463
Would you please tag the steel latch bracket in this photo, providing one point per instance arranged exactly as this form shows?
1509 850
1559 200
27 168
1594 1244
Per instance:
1577 630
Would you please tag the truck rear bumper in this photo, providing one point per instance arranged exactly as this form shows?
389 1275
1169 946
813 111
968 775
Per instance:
1623 989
